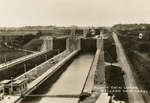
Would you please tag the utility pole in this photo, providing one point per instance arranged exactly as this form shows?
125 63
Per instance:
11 92
45 57
36 72
58 51
25 53
5 59
25 70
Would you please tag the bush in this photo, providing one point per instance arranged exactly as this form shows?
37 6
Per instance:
144 48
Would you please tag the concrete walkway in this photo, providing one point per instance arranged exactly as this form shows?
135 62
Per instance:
8 64
129 79
103 98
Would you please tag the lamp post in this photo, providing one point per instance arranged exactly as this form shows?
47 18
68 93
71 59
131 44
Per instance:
45 57
36 71
5 59
25 70
11 91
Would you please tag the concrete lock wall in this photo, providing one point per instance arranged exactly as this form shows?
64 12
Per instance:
59 43
73 44
99 43
55 44
100 65
88 45
85 44
49 44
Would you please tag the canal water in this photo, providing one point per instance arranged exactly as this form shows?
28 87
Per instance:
68 82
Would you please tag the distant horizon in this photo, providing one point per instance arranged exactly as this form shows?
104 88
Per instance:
69 25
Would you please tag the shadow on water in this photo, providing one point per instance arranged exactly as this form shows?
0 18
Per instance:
46 86
115 82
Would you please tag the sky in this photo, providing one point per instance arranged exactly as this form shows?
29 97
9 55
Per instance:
73 12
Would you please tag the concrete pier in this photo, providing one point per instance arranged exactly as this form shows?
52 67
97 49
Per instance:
51 43
73 44
100 62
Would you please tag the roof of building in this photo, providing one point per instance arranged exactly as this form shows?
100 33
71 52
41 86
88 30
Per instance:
5 81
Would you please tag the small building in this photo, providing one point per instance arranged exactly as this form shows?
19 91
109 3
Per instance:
19 86
2 90
11 87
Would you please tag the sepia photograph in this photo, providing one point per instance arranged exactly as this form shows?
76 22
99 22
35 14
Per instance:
74 51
